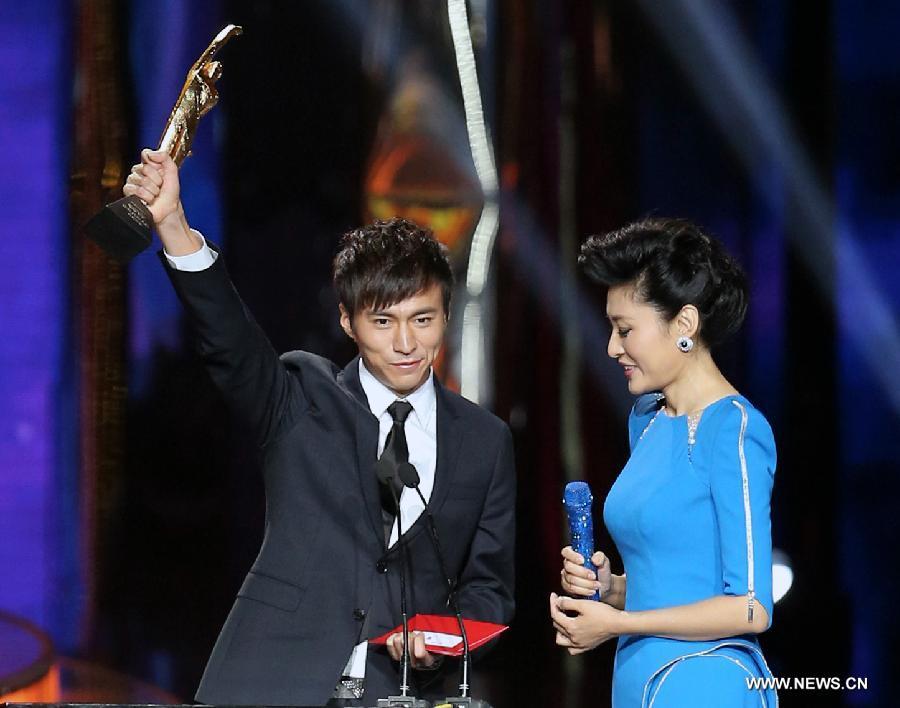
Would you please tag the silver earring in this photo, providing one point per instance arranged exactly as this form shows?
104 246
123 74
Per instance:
685 344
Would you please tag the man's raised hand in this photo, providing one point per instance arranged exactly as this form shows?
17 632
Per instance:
155 180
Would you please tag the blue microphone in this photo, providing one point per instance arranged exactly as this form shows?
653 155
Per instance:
577 500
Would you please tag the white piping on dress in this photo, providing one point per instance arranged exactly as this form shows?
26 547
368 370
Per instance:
647 427
670 665
748 520
762 695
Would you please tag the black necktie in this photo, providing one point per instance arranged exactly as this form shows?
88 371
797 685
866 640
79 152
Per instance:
395 453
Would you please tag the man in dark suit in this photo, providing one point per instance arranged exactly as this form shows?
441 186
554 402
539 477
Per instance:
327 575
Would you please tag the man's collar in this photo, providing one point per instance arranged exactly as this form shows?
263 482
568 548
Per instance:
380 396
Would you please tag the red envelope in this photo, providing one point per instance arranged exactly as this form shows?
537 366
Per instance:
442 633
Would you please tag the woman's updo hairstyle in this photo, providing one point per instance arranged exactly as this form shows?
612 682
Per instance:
672 263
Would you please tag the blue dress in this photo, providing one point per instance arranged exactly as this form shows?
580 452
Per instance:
691 520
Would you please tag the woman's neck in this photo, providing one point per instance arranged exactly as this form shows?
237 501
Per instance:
698 384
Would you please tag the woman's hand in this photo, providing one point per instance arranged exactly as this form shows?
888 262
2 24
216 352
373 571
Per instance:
578 580
591 623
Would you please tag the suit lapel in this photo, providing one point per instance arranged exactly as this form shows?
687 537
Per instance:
366 431
450 436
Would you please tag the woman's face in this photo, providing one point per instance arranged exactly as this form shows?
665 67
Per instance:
641 341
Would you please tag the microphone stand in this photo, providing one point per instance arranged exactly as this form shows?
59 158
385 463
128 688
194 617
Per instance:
404 700
410 478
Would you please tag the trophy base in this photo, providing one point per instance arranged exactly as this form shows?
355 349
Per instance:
122 228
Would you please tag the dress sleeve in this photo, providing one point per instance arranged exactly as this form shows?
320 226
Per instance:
741 476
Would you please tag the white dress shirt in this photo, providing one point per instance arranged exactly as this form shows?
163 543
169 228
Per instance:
421 440
201 259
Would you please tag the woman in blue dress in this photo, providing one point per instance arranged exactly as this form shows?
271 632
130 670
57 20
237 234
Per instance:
689 513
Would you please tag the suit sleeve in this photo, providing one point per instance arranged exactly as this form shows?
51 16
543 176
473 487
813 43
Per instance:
237 354
741 477
488 578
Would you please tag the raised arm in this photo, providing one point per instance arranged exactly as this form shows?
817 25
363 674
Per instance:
237 354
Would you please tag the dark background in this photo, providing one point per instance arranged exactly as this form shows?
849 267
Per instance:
770 123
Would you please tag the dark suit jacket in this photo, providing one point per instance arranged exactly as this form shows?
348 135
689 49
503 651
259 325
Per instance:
323 572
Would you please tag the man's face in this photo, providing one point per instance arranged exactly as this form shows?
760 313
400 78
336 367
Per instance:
400 343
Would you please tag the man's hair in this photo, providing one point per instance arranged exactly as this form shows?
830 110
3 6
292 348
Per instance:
380 264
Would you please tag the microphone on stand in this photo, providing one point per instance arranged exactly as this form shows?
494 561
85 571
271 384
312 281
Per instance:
404 700
410 478
577 499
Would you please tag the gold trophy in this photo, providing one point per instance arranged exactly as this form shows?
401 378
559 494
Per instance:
122 228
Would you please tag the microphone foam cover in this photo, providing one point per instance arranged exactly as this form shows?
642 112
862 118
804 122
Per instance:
577 494
408 474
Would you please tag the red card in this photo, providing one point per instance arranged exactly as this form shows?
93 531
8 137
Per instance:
442 633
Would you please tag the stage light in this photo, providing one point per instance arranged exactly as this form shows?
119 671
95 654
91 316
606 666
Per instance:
782 574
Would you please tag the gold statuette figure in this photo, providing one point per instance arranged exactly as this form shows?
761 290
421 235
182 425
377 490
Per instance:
122 228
